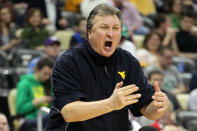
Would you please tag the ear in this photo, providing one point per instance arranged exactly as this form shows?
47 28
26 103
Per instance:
89 33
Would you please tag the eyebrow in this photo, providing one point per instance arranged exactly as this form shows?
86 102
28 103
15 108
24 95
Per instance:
107 25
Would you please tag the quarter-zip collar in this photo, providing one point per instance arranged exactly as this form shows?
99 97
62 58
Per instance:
97 58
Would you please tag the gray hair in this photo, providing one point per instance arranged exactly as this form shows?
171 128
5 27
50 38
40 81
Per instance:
103 9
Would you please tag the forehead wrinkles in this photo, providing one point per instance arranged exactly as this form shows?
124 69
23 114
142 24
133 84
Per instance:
102 20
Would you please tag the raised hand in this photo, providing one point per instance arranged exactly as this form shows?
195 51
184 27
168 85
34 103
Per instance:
160 100
124 96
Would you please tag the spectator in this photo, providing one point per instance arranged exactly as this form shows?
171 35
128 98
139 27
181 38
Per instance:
80 32
34 32
51 49
34 91
8 4
125 43
7 30
187 37
145 7
20 9
72 5
172 81
167 33
85 10
148 55
131 16
192 102
174 8
51 10
3 123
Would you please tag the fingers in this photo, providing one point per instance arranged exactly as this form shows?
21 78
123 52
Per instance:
133 101
156 86
131 97
158 104
119 85
161 107
159 96
160 110
160 100
127 90
131 90
128 87
124 96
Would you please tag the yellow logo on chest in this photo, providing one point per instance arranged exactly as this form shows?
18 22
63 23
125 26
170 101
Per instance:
122 74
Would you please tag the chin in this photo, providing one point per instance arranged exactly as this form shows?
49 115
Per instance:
107 54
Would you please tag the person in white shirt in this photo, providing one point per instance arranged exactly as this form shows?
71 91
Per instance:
125 43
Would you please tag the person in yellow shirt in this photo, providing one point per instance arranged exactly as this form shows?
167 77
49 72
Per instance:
146 7
72 5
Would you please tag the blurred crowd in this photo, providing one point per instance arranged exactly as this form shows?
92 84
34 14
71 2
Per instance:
161 34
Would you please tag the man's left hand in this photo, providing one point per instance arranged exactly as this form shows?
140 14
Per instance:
160 100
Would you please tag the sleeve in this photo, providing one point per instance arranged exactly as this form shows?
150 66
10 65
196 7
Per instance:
66 83
146 90
23 98
73 41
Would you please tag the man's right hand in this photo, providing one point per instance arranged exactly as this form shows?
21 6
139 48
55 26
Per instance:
124 96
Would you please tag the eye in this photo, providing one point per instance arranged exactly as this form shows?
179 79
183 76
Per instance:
103 27
116 28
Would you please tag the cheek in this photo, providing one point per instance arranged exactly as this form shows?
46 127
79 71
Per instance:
31 21
118 37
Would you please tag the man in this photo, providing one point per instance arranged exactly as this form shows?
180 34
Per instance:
3 123
51 49
96 83
34 91
172 81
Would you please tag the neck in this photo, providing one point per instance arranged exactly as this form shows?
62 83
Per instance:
36 76
160 66
3 28
154 53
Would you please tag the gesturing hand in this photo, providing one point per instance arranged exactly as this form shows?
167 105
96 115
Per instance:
124 96
160 100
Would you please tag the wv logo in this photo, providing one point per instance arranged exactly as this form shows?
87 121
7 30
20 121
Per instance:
122 74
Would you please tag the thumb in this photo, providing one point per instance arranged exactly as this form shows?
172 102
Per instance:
119 85
156 86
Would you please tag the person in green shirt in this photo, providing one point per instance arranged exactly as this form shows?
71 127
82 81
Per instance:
34 91
174 8
34 32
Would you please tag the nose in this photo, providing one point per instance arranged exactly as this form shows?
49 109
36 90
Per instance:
110 33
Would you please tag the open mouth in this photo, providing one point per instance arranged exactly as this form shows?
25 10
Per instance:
108 44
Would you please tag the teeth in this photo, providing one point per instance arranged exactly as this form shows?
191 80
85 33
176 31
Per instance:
107 47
